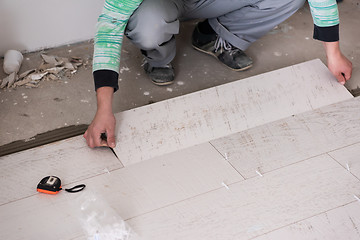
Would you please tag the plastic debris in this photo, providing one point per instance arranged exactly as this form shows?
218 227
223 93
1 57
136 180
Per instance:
226 186
258 173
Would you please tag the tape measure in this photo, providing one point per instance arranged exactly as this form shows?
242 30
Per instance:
52 185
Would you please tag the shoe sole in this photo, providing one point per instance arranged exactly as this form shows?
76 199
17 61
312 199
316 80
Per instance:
162 84
212 54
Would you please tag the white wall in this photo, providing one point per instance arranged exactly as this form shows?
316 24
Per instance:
30 25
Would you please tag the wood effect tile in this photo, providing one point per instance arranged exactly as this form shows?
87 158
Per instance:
71 160
339 223
164 180
287 141
131 191
349 158
181 122
255 206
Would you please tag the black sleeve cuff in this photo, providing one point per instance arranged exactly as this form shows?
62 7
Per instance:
106 78
327 34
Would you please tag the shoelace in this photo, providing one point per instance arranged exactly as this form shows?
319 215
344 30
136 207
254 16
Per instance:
221 44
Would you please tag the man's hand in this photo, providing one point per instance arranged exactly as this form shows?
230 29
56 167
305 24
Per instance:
103 122
337 63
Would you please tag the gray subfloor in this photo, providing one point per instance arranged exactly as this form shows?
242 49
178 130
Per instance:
56 104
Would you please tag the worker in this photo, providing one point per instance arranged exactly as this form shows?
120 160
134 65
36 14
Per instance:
229 28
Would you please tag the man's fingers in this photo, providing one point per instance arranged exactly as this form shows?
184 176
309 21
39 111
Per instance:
85 134
87 138
347 75
111 139
90 142
97 138
341 78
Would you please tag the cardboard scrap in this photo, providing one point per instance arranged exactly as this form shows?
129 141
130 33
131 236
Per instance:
12 78
24 74
52 77
50 59
9 80
23 82
31 85
77 61
55 70
69 66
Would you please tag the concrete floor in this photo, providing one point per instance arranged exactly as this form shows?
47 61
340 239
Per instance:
27 112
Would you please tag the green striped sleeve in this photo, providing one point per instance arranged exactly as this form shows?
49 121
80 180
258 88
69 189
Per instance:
324 12
110 32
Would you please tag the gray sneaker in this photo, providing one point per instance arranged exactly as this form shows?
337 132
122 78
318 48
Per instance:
160 75
214 45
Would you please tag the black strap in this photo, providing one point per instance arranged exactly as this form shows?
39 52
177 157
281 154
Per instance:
75 189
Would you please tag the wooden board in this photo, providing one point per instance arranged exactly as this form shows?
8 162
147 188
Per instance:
199 117
293 139
349 157
71 160
131 191
255 206
339 223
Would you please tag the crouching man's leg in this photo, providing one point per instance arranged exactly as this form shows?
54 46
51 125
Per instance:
152 28
232 26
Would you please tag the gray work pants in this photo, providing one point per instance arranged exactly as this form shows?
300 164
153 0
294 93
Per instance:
240 22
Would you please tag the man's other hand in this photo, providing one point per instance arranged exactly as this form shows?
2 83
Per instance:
338 64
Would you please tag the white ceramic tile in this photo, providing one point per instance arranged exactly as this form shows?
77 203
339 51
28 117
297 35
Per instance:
40 217
349 157
174 124
158 182
70 160
293 139
255 206
85 215
130 191
339 223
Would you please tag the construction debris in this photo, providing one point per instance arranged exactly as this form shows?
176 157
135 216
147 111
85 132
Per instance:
50 60
9 80
12 78
24 74
52 68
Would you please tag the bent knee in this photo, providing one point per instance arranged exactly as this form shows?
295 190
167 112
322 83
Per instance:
153 24
149 35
